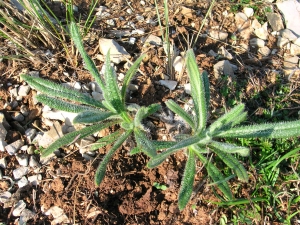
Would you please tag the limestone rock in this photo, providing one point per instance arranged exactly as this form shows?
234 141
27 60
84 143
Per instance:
275 21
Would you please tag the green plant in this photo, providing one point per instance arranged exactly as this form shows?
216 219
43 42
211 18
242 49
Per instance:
159 186
111 111
204 140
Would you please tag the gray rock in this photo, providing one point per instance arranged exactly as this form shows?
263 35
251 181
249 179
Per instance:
18 116
63 219
3 132
30 150
22 182
20 172
14 92
26 215
66 117
171 84
55 211
223 67
219 35
133 87
23 90
18 208
117 53
262 32
265 51
87 157
187 88
223 52
30 134
291 14
295 49
255 24
212 53
257 42
240 19
5 196
281 41
288 34
34 179
14 147
3 163
24 110
97 96
22 159
33 162
46 160
34 73
152 40
275 21
248 11
2 145
178 64
95 87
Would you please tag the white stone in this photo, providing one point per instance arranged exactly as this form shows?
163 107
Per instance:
288 34
1 175
171 84
47 159
248 11
5 196
291 14
152 40
240 19
10 149
265 51
117 53
22 159
275 21
297 41
23 90
133 87
55 211
22 182
77 86
187 88
139 18
2 145
63 219
59 115
18 208
281 41
223 67
3 163
46 108
219 35
262 32
34 179
256 42
33 162
295 49
26 215
223 52
20 172
97 96
14 147
178 64
14 92
30 134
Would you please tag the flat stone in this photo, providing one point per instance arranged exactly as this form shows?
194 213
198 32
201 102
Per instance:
212 53
33 162
14 147
18 208
20 172
22 182
23 90
152 40
5 196
178 64
248 11
219 35
255 24
14 92
22 159
223 52
291 13
3 132
97 96
2 145
275 21
117 53
257 42
55 211
293 60
171 84
240 19
35 179
265 51
295 49
30 134
26 215
66 117
223 67
281 41
3 163
262 32
187 88
288 34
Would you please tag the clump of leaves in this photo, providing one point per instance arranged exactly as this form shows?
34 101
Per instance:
204 140
101 114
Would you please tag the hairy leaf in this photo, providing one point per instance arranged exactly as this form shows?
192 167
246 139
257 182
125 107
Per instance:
206 87
129 75
183 114
70 137
59 91
135 150
107 140
62 105
197 90
233 163
92 116
268 130
144 143
163 144
230 148
100 172
186 187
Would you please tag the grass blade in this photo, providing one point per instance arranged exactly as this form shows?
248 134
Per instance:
100 172
186 187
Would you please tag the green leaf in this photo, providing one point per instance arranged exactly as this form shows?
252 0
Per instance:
144 112
186 187
144 143
233 163
163 144
100 172
130 73
230 148
217 176
90 65
183 114
59 91
62 105
197 90
107 140
268 130
92 116
159 158
229 119
70 137
206 87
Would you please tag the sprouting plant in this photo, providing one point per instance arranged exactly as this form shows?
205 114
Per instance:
203 140
101 114
160 186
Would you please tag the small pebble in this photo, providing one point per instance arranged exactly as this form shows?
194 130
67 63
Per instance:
5 196
33 162
34 179
22 182
23 90
20 172
18 208
22 159
26 215
18 116
30 134
24 110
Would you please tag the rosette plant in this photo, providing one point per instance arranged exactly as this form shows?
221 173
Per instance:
206 139
97 114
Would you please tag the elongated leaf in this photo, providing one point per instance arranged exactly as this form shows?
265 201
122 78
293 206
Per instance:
180 137
230 148
144 143
206 87
100 172
268 130
144 112
183 114
233 163
59 91
70 137
62 105
163 144
135 150
151 109
90 65
228 119
217 176
186 187
129 75
92 116
159 158
197 90
107 140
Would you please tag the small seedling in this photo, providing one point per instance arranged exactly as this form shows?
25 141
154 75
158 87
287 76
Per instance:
160 186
